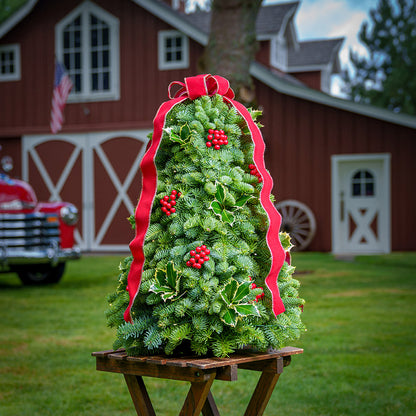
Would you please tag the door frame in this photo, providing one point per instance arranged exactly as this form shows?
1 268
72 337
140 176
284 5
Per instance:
336 232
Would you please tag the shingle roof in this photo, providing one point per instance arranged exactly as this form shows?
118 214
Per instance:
315 52
269 20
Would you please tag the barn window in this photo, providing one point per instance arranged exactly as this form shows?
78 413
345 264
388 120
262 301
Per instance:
9 62
173 50
87 42
363 184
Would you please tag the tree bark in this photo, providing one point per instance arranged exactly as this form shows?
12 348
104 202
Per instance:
232 44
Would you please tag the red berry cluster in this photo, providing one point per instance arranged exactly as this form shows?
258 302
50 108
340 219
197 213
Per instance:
216 138
261 295
255 172
168 202
198 257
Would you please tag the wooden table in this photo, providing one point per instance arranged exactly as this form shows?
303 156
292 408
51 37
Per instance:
201 373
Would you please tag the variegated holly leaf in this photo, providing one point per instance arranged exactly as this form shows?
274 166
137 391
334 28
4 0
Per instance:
242 200
184 134
167 282
236 303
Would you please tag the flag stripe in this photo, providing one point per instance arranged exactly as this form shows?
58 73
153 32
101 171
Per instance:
61 90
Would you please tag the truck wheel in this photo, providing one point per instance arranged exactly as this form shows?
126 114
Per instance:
42 274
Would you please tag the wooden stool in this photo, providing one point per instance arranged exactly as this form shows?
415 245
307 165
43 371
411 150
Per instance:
201 372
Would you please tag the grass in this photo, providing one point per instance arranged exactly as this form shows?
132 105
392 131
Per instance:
359 359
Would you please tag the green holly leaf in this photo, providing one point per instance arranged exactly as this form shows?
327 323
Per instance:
185 132
220 194
229 291
230 317
244 309
216 207
242 291
242 200
172 276
227 216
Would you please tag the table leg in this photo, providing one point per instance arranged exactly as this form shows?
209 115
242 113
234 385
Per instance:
210 407
139 395
197 396
262 394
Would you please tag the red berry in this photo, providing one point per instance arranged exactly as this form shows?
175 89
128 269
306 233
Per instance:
207 251
173 210
217 147
166 198
206 258
162 201
192 252
188 263
174 192
210 131
168 206
217 136
164 209
197 266
225 141
208 144
253 285
198 249
167 213
203 247
192 260
221 131
253 172
197 256
173 203
220 142
215 141
260 179
179 194
201 261
251 166
172 197
210 137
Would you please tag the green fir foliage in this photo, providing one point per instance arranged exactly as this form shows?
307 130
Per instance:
224 305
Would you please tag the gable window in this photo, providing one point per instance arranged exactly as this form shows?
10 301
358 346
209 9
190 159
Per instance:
9 62
87 42
173 50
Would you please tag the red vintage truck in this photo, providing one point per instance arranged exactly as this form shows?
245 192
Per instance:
36 238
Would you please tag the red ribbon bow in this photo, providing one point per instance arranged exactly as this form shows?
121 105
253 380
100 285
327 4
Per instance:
192 88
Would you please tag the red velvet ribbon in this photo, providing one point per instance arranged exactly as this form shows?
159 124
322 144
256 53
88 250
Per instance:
192 88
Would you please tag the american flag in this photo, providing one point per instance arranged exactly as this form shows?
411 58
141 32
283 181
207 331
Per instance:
61 89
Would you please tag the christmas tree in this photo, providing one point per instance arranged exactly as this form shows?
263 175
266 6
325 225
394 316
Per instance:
209 271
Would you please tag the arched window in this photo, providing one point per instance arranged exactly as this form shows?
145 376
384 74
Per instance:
363 183
87 42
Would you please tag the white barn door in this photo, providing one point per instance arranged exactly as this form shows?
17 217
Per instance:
98 172
361 204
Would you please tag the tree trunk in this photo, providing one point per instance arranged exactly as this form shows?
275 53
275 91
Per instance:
232 44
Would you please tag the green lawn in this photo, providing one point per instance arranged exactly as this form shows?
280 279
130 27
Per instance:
359 359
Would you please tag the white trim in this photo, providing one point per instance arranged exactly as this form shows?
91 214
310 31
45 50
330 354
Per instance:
16 17
87 94
163 64
385 158
16 75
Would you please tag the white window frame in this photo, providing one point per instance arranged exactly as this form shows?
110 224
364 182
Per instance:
87 94
14 76
163 64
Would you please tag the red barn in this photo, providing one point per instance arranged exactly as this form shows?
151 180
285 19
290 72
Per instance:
350 164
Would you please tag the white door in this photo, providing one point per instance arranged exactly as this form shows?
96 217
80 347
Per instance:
361 204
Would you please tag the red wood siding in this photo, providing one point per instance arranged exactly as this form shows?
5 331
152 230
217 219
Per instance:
301 136
311 79
142 86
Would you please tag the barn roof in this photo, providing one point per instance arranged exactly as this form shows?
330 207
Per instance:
314 53
270 20
258 71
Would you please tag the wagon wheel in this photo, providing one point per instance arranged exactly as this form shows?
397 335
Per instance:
298 221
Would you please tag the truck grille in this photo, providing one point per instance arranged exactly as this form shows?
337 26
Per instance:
29 231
